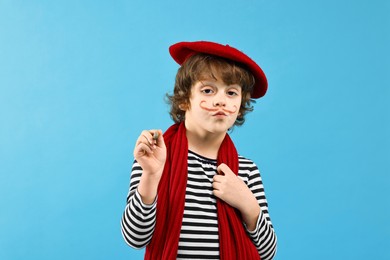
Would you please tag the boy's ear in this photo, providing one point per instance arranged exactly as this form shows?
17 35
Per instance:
183 106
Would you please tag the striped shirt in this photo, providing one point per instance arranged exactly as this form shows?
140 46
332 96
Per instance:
199 231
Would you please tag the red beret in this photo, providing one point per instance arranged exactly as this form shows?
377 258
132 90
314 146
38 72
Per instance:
183 50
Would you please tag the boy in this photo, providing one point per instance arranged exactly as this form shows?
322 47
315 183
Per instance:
191 195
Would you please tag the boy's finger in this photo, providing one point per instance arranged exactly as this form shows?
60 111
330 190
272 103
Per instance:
145 136
224 169
160 138
218 178
141 150
152 137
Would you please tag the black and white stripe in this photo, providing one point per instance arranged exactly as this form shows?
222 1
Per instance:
199 232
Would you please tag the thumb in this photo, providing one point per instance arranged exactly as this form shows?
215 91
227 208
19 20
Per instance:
223 169
160 139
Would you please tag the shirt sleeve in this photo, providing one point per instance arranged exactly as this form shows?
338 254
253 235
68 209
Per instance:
138 219
263 236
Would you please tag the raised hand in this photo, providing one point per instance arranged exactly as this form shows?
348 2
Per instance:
150 152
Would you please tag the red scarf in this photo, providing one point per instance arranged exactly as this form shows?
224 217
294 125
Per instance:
233 239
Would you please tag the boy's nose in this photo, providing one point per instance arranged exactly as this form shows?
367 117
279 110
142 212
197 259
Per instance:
219 103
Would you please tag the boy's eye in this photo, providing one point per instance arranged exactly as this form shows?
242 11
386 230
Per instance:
207 91
232 93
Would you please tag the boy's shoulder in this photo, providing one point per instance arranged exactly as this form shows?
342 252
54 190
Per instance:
246 161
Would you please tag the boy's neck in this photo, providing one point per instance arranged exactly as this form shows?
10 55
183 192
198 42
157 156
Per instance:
205 144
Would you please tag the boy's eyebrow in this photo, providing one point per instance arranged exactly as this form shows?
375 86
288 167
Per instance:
207 82
213 84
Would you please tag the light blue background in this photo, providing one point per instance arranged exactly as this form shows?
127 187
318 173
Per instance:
79 80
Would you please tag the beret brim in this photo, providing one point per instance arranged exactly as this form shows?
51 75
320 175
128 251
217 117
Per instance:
181 51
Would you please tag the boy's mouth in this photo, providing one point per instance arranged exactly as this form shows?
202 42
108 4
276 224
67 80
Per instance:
220 113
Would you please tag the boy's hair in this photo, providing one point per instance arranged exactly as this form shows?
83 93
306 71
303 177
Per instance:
203 66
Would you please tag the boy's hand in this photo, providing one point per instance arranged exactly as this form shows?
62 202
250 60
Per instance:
151 153
231 189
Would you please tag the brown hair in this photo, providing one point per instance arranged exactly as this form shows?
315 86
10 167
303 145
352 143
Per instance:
201 66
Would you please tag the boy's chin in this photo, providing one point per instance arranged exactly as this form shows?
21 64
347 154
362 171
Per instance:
221 128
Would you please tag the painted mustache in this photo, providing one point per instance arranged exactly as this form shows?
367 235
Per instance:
217 109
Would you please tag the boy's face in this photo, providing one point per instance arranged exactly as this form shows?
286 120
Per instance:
214 106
